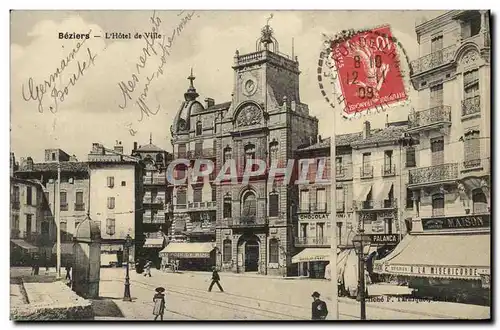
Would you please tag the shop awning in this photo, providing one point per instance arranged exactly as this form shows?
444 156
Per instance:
185 250
458 256
108 258
154 242
66 248
365 190
312 254
384 193
25 245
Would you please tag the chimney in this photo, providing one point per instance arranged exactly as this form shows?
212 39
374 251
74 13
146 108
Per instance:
95 148
366 130
209 102
135 145
118 147
386 120
29 164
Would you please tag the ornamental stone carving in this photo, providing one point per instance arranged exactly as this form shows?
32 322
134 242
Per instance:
470 57
248 116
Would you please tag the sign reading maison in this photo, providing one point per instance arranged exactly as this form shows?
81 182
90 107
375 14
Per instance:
468 221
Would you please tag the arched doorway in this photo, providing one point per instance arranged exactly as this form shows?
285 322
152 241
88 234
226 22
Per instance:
248 253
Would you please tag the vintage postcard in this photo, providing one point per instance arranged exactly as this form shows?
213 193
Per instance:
195 165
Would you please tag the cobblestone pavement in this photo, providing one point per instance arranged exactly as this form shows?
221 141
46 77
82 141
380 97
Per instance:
255 298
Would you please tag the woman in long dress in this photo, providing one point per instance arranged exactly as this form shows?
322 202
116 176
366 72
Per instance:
159 303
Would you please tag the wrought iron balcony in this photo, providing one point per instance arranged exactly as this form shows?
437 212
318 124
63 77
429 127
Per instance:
377 204
388 170
153 200
433 174
160 180
64 207
79 206
200 206
366 172
343 172
471 106
304 208
427 119
433 60
248 222
153 218
312 241
203 153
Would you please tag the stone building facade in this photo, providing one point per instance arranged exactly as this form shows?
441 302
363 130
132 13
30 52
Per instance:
265 120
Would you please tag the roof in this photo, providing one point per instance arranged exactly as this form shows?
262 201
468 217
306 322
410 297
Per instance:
26 181
150 148
340 140
220 106
388 134
188 247
52 167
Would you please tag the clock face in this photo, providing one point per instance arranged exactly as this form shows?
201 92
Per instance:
250 87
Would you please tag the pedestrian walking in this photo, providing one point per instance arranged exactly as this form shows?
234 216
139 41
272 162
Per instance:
319 310
159 303
68 272
35 264
147 268
215 280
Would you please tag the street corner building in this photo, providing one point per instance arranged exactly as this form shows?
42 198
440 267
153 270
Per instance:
447 252
251 224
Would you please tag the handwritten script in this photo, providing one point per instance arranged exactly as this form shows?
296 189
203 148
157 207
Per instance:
33 91
159 48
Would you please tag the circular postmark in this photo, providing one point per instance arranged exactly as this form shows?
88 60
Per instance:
365 71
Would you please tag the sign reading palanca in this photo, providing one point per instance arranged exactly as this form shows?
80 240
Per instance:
468 221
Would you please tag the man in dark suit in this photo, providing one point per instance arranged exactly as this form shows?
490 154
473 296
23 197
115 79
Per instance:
215 280
319 310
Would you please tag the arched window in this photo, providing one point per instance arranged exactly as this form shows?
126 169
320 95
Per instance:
437 205
226 207
249 206
273 153
198 128
480 204
159 158
250 155
227 250
227 153
273 251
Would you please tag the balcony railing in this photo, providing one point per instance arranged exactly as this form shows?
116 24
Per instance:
434 174
304 208
180 207
206 153
319 207
366 172
433 60
153 200
156 218
64 207
202 205
80 207
248 221
377 204
437 115
181 154
155 180
312 241
471 106
388 170
15 205
343 172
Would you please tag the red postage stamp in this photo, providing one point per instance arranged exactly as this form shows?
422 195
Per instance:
368 71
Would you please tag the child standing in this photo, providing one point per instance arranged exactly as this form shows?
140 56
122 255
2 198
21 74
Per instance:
159 306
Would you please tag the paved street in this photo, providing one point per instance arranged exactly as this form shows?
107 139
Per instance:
248 297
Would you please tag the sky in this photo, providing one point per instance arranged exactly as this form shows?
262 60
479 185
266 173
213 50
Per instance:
93 109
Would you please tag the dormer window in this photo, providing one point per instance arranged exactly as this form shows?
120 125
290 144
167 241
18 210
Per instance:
198 128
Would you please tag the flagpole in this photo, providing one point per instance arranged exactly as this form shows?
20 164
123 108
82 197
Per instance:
333 222
58 221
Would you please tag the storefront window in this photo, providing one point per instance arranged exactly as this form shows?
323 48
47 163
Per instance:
273 251
480 204
227 250
437 205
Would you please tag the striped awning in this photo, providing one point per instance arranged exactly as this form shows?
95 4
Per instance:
454 256
365 190
384 193
25 245
188 250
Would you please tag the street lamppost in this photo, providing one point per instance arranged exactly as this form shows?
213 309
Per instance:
127 245
361 245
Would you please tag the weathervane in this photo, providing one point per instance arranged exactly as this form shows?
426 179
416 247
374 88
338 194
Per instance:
270 18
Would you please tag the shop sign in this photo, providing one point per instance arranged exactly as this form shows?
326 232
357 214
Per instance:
468 221
384 238
378 226
317 216
435 271
187 255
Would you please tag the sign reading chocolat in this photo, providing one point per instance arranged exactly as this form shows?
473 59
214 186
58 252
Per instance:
468 221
